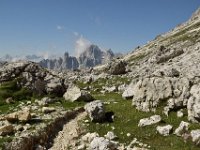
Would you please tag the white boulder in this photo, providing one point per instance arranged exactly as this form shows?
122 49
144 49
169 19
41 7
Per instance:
149 121
164 130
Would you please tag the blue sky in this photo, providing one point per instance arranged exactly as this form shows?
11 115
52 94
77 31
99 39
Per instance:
56 26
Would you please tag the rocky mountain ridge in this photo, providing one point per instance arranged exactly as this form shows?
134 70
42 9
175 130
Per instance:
91 57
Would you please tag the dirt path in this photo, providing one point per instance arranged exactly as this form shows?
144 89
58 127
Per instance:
67 138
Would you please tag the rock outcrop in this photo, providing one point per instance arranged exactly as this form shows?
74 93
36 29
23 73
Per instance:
32 76
65 63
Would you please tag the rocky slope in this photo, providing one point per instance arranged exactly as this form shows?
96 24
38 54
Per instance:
167 69
91 57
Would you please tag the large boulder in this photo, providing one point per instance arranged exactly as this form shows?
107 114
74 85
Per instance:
116 67
164 130
100 143
55 85
96 111
129 91
149 121
23 115
76 94
148 93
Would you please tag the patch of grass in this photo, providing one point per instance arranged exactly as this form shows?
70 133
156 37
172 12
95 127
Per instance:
98 84
126 121
60 102
11 89
5 140
137 58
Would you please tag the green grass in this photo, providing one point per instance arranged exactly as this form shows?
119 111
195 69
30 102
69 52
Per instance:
67 104
184 35
137 58
126 121
99 83
11 89
5 140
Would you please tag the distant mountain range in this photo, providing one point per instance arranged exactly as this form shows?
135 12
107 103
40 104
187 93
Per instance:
91 57
34 58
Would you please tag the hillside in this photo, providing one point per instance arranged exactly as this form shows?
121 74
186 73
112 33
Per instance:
148 99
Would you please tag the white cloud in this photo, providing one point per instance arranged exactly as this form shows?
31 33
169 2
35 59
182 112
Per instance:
60 27
81 44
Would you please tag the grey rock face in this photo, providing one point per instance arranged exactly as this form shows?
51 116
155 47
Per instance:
96 110
165 54
89 58
67 62
149 92
94 56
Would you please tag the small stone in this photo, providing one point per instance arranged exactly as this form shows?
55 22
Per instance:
113 128
164 130
10 100
86 121
81 147
180 114
128 134
48 109
110 136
